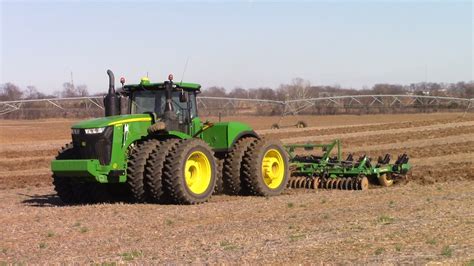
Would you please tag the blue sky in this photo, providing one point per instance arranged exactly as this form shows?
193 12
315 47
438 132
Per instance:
231 44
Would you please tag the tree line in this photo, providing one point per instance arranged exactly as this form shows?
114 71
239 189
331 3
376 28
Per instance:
301 89
12 92
297 89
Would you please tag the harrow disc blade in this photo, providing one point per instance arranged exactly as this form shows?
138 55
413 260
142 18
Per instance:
317 182
364 183
341 181
300 182
348 184
354 183
328 184
321 183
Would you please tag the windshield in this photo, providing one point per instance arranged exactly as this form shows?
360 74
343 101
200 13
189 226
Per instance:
155 100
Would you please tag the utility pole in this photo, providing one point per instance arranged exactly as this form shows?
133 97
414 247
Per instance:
72 80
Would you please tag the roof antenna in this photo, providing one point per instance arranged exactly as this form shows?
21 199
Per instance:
184 70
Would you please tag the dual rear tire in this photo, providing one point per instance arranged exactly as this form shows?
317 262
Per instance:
172 171
187 171
256 167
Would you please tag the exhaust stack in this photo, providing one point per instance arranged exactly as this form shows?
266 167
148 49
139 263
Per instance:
111 100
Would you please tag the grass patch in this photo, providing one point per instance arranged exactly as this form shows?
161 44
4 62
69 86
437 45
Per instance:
296 237
391 204
50 234
84 229
398 247
129 256
106 264
447 252
290 205
42 245
325 216
431 241
385 219
303 205
76 224
379 251
169 222
226 245
323 201
470 263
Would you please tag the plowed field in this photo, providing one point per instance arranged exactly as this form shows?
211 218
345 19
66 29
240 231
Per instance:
427 218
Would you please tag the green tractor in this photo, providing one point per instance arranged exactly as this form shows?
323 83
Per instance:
151 146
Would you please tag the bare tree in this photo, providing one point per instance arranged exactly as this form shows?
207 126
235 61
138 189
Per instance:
32 93
69 90
10 92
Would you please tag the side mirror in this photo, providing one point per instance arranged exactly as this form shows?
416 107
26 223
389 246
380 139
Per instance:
183 97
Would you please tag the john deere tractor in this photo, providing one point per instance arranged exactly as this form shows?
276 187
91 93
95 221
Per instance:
151 146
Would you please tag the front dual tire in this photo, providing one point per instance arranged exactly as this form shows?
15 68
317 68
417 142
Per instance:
171 171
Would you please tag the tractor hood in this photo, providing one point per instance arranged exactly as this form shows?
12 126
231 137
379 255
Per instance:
112 120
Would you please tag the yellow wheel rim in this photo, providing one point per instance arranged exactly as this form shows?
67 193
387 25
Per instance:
197 172
273 168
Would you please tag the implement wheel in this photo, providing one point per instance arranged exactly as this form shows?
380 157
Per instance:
265 168
386 180
190 172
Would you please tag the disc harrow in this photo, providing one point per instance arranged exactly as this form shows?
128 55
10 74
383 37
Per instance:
328 171
341 183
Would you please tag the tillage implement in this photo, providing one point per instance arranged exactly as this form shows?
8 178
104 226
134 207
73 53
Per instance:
332 172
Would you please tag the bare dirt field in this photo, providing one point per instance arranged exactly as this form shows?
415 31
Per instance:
427 218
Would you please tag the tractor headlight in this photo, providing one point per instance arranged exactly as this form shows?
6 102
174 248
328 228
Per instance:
94 130
76 131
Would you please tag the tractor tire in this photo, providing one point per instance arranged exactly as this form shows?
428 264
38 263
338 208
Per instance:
64 186
232 170
136 168
219 189
154 170
265 168
190 172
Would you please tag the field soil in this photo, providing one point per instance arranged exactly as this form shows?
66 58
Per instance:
428 217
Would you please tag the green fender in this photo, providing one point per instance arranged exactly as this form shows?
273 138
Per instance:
222 136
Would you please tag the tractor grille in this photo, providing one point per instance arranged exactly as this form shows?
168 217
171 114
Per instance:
94 146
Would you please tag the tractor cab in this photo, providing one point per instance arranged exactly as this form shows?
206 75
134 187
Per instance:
171 103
